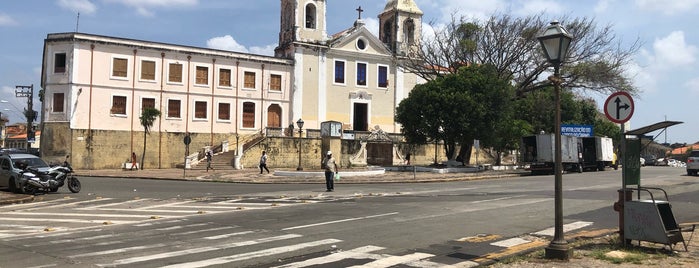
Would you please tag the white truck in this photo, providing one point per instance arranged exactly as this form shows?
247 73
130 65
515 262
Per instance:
597 153
537 151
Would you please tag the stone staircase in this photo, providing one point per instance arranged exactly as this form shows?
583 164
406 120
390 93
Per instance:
226 160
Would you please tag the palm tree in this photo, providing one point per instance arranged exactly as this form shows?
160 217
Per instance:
148 116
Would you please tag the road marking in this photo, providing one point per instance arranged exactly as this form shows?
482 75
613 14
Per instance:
338 221
205 230
68 204
496 199
200 250
115 204
395 260
215 237
510 242
73 215
115 251
254 254
566 228
67 220
356 253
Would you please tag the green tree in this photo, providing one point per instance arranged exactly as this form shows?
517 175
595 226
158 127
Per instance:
148 117
457 108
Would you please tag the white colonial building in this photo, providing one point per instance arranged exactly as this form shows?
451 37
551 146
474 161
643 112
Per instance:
95 87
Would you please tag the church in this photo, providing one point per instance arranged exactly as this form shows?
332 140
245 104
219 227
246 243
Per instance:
95 87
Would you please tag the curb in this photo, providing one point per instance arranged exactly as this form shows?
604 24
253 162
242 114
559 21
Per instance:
17 199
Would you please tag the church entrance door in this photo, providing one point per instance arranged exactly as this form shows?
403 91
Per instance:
361 113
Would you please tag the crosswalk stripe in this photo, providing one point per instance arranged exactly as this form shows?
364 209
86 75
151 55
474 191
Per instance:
68 204
115 251
395 260
67 220
73 214
226 235
199 250
206 230
566 228
337 256
116 204
254 254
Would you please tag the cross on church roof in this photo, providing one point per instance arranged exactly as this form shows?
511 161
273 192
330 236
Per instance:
360 10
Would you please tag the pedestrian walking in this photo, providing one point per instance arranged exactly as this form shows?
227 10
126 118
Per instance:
209 158
263 162
330 169
134 164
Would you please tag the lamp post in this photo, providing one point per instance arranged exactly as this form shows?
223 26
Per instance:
299 123
556 40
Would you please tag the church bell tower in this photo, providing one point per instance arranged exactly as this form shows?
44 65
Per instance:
301 21
400 26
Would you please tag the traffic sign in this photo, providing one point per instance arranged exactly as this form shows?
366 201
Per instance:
619 107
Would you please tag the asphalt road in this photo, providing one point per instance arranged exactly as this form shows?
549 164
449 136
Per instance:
155 223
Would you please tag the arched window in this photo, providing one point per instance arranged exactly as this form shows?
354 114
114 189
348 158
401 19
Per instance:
409 31
310 16
249 115
387 32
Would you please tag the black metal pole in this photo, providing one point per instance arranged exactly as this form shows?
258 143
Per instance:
558 248
299 168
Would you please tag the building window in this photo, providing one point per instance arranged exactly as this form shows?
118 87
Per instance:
148 70
409 31
361 45
248 115
118 105
275 82
120 67
202 75
383 76
339 72
224 111
249 80
59 63
175 73
173 109
58 100
147 103
200 110
361 74
224 77
310 16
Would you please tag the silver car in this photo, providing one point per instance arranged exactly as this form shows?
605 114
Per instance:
10 173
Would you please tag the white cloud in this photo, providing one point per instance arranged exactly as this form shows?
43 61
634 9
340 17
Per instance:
372 25
266 50
143 7
227 42
78 6
667 7
602 6
673 51
693 85
6 20
536 7
642 77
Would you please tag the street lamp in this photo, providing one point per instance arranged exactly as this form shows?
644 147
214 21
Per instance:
299 123
556 40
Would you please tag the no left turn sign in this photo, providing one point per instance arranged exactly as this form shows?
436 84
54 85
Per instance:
619 107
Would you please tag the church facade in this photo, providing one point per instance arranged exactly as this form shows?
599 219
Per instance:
95 87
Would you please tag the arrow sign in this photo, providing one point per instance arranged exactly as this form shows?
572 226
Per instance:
619 107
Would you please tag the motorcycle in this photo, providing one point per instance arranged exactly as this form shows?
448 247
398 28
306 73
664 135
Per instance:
49 181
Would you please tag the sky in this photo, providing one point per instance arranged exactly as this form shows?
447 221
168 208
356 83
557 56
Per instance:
665 69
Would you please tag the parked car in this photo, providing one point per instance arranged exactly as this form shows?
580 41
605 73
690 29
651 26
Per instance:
643 162
9 173
693 163
650 160
661 162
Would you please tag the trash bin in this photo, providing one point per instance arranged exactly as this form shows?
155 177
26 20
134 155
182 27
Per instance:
651 220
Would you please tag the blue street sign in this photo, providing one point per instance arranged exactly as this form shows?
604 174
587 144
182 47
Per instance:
577 130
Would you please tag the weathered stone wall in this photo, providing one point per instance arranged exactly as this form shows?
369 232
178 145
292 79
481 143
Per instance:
107 149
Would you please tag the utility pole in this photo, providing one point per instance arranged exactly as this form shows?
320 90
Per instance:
28 92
